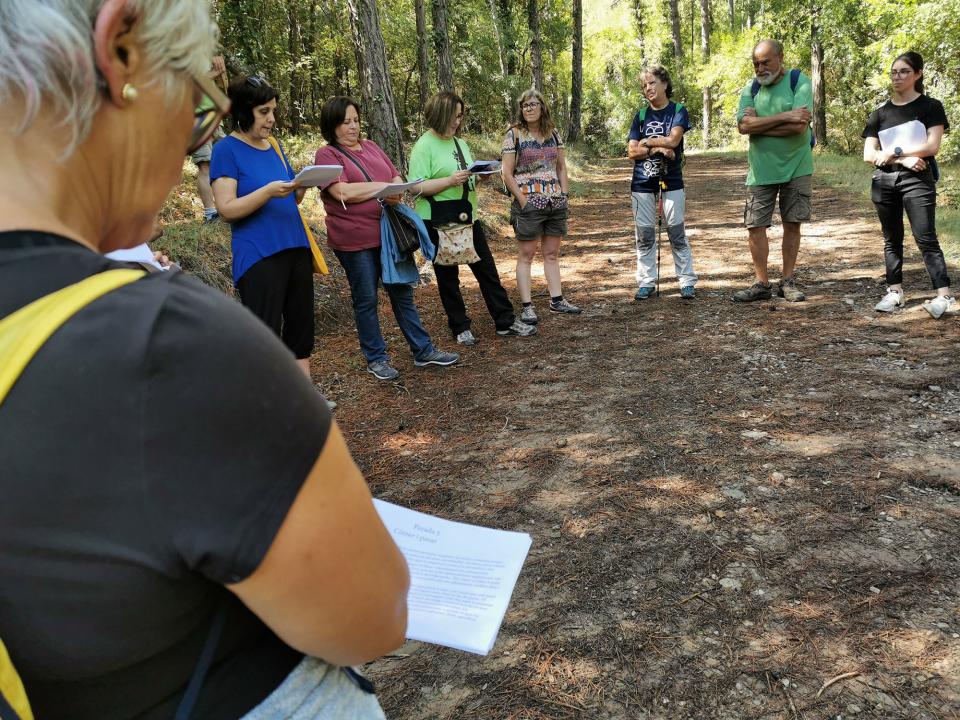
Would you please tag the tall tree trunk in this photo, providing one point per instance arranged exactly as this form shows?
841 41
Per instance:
441 46
375 87
733 16
693 27
675 29
495 21
536 49
705 51
295 104
576 74
423 54
817 80
506 27
640 22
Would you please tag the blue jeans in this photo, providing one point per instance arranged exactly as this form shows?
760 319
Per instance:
363 273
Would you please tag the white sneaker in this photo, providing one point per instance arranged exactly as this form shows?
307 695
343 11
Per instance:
941 305
890 302
466 338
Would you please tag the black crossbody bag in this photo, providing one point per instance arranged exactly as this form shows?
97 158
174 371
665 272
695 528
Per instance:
460 211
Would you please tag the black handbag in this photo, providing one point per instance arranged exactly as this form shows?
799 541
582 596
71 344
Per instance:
405 233
460 211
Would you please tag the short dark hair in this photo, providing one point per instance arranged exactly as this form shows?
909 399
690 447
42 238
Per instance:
661 74
440 109
915 61
245 94
332 115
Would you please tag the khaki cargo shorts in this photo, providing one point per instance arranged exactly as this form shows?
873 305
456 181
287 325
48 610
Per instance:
794 202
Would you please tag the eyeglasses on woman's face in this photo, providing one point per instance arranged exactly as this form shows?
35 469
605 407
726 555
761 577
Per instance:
902 72
211 105
532 105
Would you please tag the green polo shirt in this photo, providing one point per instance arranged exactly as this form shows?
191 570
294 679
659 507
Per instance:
433 157
775 160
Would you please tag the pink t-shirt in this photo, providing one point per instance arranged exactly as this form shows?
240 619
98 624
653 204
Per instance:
358 226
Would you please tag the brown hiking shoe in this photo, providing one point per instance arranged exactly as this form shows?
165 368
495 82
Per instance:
788 290
757 291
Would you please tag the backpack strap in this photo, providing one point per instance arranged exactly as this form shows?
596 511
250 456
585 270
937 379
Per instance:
13 697
794 79
24 332
754 88
192 694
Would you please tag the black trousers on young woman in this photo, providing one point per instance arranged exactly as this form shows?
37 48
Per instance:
485 271
896 190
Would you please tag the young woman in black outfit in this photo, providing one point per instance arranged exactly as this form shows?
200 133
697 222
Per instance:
902 138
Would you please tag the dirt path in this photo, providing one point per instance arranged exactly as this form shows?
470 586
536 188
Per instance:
730 505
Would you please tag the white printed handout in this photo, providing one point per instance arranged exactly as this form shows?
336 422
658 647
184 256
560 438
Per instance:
484 167
461 576
140 254
316 175
907 136
397 189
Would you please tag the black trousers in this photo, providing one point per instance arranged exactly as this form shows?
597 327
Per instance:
279 291
485 271
894 191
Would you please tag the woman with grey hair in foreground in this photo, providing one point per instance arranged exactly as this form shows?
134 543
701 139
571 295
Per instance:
171 482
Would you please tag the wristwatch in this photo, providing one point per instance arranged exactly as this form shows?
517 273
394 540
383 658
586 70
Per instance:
897 151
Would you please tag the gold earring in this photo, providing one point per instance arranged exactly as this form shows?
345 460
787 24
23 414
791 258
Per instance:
129 92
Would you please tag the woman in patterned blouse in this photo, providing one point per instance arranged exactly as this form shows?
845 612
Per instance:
535 173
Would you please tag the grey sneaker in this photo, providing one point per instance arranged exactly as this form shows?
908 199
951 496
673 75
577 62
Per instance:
438 357
788 290
528 315
564 306
466 338
940 305
687 292
382 370
757 291
520 329
890 302
644 292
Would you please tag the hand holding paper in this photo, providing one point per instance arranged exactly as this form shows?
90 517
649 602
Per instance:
315 175
397 189
484 167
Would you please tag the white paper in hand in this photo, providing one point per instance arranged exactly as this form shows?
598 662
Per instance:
907 136
484 167
316 175
461 576
397 189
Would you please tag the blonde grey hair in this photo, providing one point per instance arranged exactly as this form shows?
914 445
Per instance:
46 55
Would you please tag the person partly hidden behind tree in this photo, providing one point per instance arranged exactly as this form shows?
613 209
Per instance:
656 147
775 111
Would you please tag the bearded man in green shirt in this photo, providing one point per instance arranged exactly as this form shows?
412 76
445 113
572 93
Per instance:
775 111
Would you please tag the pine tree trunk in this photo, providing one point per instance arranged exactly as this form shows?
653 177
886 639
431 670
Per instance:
675 29
423 53
733 16
441 46
576 74
506 27
501 54
536 48
380 118
705 53
819 88
295 104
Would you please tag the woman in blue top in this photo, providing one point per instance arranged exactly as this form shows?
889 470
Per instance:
656 148
272 263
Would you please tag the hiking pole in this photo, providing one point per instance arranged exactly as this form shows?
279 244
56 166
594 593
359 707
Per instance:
661 186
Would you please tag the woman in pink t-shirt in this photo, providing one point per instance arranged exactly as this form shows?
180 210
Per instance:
353 233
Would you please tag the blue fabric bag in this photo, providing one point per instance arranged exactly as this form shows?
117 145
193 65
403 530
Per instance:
401 269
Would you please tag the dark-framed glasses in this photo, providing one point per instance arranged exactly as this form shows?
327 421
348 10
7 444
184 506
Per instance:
211 109
900 73
531 105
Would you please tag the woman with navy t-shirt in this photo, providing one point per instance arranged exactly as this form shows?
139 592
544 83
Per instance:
655 145
272 263
901 140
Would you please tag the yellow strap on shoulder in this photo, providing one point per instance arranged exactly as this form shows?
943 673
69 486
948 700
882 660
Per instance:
319 264
11 689
24 332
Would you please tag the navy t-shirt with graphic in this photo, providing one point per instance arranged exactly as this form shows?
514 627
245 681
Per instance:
658 123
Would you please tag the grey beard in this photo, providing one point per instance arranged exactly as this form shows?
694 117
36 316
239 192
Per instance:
766 79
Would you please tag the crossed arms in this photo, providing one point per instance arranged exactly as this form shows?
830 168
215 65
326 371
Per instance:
791 122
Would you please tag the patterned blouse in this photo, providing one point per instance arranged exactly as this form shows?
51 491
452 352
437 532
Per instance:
536 167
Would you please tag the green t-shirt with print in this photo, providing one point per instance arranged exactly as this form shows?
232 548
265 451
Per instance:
775 160
433 157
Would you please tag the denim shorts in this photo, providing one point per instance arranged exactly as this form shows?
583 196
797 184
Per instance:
530 223
794 202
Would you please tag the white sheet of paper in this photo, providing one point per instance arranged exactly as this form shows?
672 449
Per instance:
907 136
314 175
461 576
484 167
397 189
139 254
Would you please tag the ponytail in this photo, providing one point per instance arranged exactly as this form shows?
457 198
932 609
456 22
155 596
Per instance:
915 61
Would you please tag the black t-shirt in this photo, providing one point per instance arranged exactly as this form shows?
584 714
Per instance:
148 454
924 109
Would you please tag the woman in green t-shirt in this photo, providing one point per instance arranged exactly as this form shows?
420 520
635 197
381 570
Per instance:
448 196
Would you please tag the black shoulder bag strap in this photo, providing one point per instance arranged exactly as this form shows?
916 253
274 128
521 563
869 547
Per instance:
192 694
354 161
